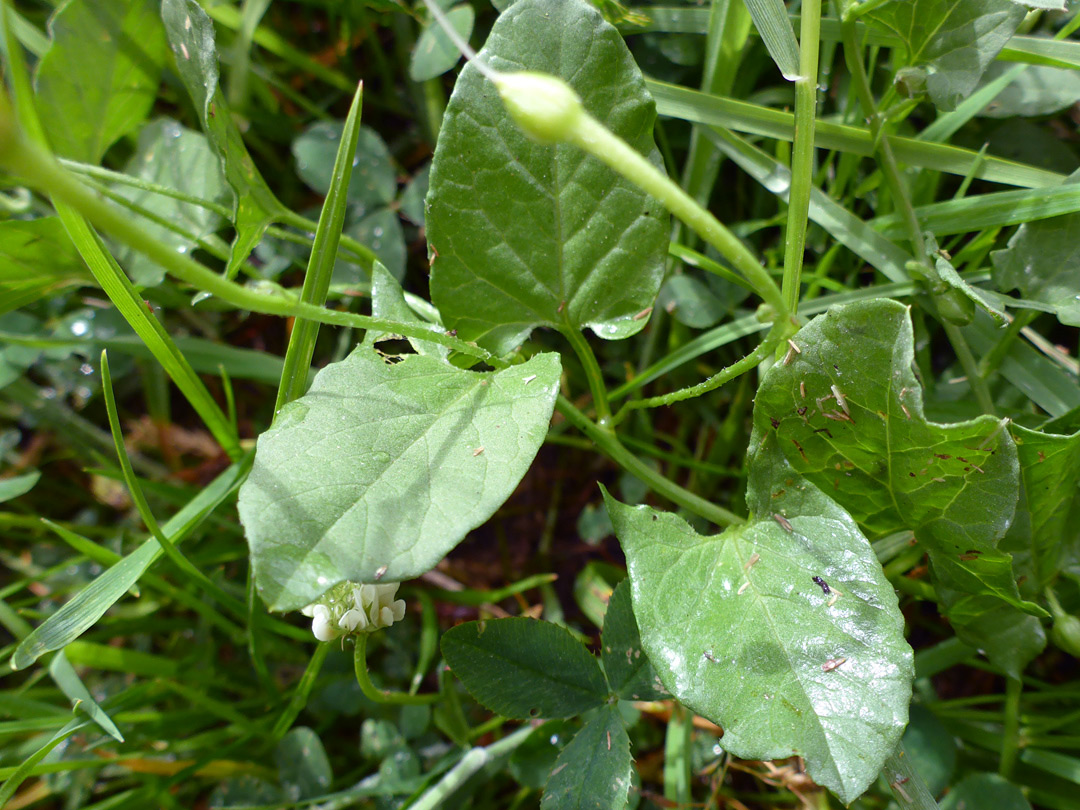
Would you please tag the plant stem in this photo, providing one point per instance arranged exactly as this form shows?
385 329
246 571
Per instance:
1010 732
592 373
43 173
300 696
610 445
907 785
380 695
467 766
592 136
737 369
802 159
971 367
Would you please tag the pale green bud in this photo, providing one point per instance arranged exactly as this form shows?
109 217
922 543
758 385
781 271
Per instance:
545 107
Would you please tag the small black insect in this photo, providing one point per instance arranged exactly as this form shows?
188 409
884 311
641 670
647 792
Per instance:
824 585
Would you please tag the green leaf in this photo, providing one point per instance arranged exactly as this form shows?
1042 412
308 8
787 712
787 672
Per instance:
956 39
1042 261
381 231
11 488
374 180
593 771
532 761
324 500
99 78
875 452
628 670
524 668
191 35
739 630
38 248
1007 637
987 791
303 767
1050 468
434 53
526 234
691 302
172 155
1038 90
388 302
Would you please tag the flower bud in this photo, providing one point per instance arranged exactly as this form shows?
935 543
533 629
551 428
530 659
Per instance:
545 107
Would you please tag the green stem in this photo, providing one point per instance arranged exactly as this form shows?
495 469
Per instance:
1010 732
779 331
907 785
42 172
610 445
802 159
592 373
300 696
593 137
992 359
379 695
971 367
475 759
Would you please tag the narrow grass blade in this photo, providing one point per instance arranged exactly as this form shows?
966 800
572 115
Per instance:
131 305
71 685
772 22
971 214
82 611
7 790
840 223
701 108
320 269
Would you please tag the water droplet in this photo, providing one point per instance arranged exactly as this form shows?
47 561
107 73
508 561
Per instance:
80 328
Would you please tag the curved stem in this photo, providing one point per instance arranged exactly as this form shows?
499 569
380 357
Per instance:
610 445
907 785
592 373
1010 732
379 695
779 331
592 136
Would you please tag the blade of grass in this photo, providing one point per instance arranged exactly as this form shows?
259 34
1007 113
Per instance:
699 108
71 685
83 610
182 563
320 269
774 26
7 790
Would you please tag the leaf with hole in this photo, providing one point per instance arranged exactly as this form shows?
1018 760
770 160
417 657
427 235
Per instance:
783 630
324 499
525 234
524 668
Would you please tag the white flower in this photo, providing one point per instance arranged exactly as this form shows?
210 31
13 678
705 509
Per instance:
354 607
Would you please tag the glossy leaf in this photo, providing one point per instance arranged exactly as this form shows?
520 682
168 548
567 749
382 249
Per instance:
324 499
434 53
174 156
388 302
848 414
1038 90
374 180
524 668
691 302
593 771
626 666
98 80
954 39
1042 261
191 35
741 632
381 231
525 234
